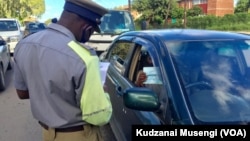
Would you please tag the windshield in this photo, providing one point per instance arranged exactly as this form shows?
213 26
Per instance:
8 25
216 77
116 22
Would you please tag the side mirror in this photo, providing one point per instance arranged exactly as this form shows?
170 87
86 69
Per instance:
143 99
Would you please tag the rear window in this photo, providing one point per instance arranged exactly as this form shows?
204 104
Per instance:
36 26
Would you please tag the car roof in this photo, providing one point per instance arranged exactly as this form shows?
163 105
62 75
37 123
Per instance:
187 34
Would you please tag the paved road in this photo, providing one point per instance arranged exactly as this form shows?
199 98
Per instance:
16 121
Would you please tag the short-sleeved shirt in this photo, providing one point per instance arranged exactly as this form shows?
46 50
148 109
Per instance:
53 74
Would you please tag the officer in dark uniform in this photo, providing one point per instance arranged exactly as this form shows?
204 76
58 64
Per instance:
49 73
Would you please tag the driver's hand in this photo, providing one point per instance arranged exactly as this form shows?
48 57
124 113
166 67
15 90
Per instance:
140 79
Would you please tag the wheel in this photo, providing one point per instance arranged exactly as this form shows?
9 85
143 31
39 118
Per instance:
2 79
199 84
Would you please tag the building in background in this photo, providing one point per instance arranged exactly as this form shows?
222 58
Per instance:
210 7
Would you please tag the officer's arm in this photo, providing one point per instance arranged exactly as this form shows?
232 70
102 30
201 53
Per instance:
23 94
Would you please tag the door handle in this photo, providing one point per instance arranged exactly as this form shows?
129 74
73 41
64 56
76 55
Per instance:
118 90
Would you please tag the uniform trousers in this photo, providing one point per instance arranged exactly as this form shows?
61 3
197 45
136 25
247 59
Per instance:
90 133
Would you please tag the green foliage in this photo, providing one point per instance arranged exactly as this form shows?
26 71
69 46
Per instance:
155 11
48 21
242 6
194 11
230 22
21 9
121 50
243 17
177 24
177 13
38 7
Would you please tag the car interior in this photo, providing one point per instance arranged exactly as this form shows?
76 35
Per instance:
214 66
141 55
214 78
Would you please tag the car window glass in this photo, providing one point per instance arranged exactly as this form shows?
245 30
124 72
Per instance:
32 26
36 26
119 53
246 52
41 26
147 63
116 22
216 77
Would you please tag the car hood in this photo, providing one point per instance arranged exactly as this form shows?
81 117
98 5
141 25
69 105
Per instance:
9 33
102 37
6 35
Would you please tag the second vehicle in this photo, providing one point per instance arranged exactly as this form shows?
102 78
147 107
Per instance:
5 62
33 27
112 25
10 30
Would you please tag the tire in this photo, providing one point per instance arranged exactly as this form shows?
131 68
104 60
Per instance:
2 79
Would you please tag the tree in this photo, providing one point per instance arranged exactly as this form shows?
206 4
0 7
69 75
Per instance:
21 8
194 11
154 11
171 5
242 6
177 13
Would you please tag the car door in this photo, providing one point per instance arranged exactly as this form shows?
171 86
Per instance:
155 81
117 55
124 57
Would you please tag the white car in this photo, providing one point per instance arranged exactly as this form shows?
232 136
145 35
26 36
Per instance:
5 62
10 30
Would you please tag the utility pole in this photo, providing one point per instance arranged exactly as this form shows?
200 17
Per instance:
129 5
185 13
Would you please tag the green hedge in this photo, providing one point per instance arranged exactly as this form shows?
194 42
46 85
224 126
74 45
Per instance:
230 22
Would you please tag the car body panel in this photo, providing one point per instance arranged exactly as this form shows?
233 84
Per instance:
5 62
181 102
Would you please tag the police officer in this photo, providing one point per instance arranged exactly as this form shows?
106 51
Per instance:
49 72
